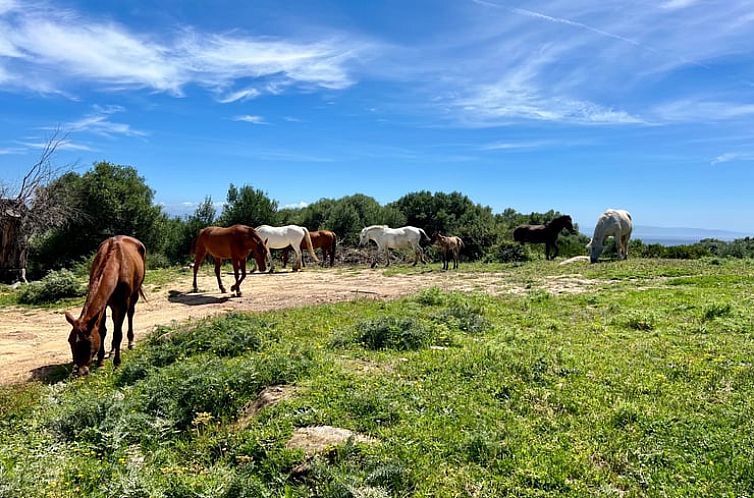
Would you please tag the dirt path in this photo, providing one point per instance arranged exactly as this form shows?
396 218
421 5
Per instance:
32 341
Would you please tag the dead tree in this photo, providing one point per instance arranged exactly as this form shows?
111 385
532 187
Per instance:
29 209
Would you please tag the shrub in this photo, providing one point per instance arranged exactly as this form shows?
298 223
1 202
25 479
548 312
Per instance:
54 286
229 336
714 310
641 321
507 251
467 318
403 334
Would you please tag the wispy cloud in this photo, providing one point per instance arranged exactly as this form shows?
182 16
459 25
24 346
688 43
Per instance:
296 205
11 150
63 145
240 95
678 4
732 156
523 145
250 118
696 110
43 48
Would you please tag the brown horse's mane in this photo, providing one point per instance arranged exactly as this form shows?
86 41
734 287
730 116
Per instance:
100 286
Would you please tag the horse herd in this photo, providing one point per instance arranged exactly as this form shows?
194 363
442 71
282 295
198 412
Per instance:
118 268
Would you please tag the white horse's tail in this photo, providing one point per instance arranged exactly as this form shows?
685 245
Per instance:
309 246
424 238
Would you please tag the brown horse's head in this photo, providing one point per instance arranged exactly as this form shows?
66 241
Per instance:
562 222
84 340
262 256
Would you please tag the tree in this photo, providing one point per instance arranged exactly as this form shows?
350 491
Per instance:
111 200
248 206
27 211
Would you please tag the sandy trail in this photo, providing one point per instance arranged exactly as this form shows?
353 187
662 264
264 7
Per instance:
33 341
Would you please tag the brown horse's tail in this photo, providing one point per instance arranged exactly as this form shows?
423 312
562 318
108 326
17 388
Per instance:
141 293
309 246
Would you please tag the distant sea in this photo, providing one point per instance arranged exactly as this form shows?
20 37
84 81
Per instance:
676 236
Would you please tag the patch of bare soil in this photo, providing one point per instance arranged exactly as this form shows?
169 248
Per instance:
34 341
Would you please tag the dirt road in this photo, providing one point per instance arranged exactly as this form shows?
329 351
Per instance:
33 341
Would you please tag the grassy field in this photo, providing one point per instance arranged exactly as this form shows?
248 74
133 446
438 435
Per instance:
643 388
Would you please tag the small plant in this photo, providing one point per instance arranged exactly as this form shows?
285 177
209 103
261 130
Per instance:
403 334
641 321
433 296
56 285
716 310
467 318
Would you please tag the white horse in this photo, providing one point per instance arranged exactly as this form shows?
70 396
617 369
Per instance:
388 238
615 222
287 236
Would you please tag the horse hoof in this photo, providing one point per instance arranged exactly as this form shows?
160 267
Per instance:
130 345
238 293
222 290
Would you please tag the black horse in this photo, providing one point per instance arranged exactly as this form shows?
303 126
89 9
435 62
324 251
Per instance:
544 234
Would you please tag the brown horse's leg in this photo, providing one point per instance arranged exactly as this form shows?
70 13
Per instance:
131 310
555 249
119 313
285 257
198 259
242 264
218 264
102 335
235 264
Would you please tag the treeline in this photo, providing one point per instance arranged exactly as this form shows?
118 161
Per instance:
111 199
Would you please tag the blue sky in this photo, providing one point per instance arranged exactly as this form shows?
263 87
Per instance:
574 105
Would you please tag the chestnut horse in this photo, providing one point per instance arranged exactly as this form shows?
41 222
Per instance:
324 239
450 246
234 243
114 280
544 234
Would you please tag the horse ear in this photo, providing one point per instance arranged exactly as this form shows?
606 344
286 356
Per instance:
70 318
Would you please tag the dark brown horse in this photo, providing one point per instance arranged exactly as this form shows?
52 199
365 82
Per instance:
234 243
114 280
450 246
544 234
324 239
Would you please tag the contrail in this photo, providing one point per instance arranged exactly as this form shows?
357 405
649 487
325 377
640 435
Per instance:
576 24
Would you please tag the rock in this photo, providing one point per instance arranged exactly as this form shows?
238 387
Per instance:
269 396
319 439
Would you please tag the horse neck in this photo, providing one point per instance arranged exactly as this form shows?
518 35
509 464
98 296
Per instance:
101 288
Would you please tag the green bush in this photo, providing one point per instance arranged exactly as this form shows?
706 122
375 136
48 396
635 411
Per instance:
507 251
404 334
54 286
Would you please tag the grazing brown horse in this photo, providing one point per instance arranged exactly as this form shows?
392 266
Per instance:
234 243
324 239
114 280
450 246
544 234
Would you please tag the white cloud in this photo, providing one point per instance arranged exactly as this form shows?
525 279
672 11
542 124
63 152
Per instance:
11 150
677 4
98 122
63 145
245 94
249 118
732 156
695 110
45 47
296 205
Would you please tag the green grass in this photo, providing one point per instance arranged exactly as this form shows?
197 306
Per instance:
642 388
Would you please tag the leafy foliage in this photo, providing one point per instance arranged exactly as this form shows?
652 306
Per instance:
56 285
